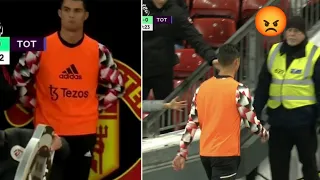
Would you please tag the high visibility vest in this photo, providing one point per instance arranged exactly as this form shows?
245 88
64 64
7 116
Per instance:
292 87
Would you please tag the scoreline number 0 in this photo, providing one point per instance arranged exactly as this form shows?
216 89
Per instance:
146 19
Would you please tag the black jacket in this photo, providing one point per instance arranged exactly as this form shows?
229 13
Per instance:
8 139
158 45
282 117
183 5
8 95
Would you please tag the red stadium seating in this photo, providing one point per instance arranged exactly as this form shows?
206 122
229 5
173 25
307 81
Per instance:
250 7
145 115
229 8
189 62
215 31
151 96
285 5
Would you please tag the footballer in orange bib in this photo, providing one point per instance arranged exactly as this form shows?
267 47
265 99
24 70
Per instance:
75 78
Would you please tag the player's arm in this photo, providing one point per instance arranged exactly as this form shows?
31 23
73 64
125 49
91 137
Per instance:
24 74
190 129
111 85
245 107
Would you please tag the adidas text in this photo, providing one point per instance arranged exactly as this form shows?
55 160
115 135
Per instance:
70 76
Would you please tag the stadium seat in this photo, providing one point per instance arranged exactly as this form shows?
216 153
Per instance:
215 31
285 6
189 62
250 7
151 96
219 8
145 115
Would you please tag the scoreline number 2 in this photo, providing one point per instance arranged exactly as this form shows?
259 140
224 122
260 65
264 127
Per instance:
1 55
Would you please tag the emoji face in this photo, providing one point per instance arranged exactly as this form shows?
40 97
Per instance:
270 21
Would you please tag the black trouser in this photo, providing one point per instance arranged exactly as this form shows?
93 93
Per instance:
253 174
281 143
77 165
224 168
162 85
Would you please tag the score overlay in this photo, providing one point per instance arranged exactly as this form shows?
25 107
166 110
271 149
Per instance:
147 23
4 50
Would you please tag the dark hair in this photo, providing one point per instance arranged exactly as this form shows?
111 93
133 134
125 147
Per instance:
228 53
85 4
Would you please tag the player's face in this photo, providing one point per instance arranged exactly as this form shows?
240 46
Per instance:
160 2
72 14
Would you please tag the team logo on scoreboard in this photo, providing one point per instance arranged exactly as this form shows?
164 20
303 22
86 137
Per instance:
1 30
106 153
145 10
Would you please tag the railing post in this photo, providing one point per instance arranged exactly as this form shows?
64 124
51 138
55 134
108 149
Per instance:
152 131
253 57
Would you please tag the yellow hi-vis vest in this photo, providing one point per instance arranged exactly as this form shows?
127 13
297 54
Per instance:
292 87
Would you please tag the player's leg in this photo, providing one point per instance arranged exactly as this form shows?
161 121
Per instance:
81 152
59 160
306 142
253 174
225 168
280 146
206 162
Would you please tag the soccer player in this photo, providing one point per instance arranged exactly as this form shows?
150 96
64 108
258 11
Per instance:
218 106
75 78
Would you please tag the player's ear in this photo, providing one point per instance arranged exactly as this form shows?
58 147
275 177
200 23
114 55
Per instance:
59 13
87 15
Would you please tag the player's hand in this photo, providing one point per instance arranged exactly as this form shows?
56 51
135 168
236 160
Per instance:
56 143
178 163
264 135
215 63
177 105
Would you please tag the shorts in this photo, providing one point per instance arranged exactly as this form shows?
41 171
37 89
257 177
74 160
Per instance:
221 168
